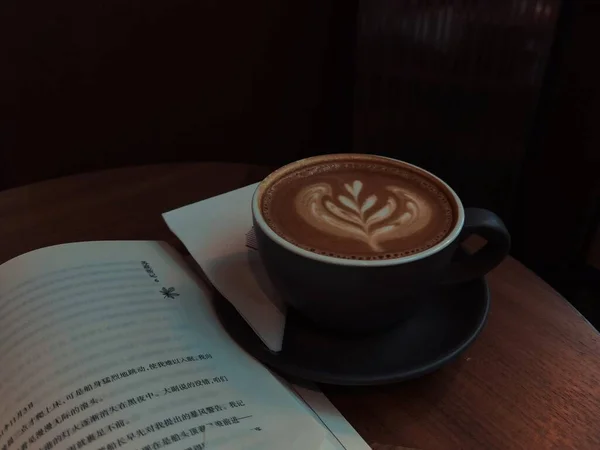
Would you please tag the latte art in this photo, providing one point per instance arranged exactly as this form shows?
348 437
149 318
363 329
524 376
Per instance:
357 207
394 213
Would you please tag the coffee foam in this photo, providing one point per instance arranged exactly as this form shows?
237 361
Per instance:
357 207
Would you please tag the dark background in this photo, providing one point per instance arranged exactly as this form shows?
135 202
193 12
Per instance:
501 99
89 85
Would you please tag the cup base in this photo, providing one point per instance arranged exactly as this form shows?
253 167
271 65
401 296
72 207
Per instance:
443 325
372 324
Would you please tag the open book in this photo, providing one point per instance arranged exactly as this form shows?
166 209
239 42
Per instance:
109 345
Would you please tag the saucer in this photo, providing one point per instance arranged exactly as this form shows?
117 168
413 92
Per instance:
444 325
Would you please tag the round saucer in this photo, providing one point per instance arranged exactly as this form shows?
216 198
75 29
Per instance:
443 326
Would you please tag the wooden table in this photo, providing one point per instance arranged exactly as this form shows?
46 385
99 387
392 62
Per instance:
531 380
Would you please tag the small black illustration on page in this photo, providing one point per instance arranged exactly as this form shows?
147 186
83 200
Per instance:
169 292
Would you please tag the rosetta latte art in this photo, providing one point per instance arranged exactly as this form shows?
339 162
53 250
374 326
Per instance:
398 214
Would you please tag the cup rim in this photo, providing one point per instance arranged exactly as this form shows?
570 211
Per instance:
260 221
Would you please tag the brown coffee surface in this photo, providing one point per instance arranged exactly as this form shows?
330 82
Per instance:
358 208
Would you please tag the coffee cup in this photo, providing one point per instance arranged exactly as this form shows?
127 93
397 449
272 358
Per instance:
353 242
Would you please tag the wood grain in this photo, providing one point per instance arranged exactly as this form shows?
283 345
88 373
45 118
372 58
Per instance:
531 381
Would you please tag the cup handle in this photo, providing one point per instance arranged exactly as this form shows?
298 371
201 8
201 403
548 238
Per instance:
489 226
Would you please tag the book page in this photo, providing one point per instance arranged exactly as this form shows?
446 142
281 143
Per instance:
105 345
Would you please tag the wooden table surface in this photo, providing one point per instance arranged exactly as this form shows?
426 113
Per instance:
530 381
